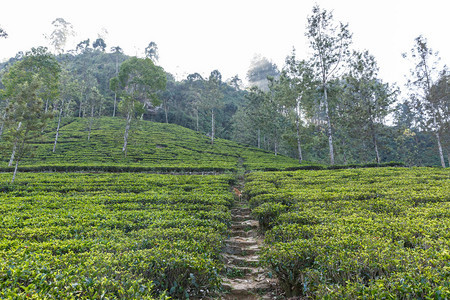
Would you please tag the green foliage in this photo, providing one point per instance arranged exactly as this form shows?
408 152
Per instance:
127 236
357 233
154 147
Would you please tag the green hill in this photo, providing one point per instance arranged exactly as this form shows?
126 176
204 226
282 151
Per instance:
151 147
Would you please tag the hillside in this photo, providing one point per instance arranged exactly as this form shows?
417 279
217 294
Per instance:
152 147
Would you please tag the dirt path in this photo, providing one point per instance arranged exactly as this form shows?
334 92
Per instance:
245 280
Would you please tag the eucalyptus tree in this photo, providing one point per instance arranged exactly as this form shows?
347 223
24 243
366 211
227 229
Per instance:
196 85
423 77
261 68
330 43
211 101
295 83
114 86
62 31
25 117
69 89
368 99
40 61
117 51
140 81
151 51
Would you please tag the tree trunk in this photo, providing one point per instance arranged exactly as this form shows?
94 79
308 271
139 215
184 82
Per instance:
441 153
275 146
15 172
14 147
125 136
196 113
81 106
46 106
212 126
330 137
374 141
3 124
297 124
90 122
165 112
115 101
259 138
57 128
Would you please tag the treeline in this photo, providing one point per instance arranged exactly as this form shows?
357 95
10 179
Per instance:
330 108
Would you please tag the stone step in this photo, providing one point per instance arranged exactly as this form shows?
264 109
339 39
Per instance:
240 218
241 211
242 241
245 225
243 251
244 233
241 261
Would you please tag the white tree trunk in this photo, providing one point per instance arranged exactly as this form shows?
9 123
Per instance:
57 128
90 122
329 131
165 112
297 124
125 136
115 101
11 160
15 172
212 126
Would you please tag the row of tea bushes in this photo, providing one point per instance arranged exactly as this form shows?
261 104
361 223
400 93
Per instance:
152 147
381 233
112 236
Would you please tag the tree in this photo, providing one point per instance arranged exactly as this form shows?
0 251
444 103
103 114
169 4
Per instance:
140 81
83 46
114 85
213 95
330 42
151 52
58 38
261 68
69 88
99 44
367 99
3 33
40 61
25 115
424 76
295 86
196 85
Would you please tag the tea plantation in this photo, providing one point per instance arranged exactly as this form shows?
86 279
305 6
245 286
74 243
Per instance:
356 234
86 222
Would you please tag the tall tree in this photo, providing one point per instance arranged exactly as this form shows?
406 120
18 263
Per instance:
212 98
25 112
114 86
296 82
61 32
99 44
151 51
196 84
261 68
424 76
140 82
69 89
368 99
330 43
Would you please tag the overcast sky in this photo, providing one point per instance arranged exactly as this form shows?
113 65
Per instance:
203 35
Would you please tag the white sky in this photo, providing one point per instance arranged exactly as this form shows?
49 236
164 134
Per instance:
203 35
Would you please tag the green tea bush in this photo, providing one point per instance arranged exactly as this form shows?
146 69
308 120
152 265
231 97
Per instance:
372 233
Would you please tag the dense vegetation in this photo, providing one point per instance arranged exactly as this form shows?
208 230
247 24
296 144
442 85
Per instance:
153 147
335 109
110 236
360 233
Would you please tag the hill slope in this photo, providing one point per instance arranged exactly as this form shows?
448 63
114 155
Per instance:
152 147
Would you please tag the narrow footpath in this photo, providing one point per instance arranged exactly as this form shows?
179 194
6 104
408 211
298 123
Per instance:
244 279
